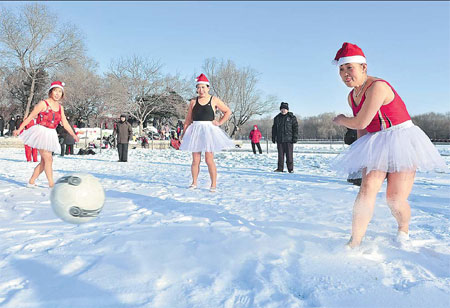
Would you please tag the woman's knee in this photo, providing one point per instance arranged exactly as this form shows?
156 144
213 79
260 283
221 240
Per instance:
196 159
368 189
48 160
209 159
395 202
371 183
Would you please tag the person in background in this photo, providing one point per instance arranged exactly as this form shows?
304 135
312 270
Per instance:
255 137
18 121
179 128
123 133
43 136
350 136
11 126
389 145
202 133
31 153
69 141
2 125
61 137
144 142
167 132
285 134
162 133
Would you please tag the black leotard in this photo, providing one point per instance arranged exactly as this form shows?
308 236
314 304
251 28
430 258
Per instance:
203 112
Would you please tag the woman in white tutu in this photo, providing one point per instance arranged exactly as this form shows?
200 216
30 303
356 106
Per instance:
43 135
202 133
389 145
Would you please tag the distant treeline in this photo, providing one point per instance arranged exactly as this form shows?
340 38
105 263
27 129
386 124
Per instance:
435 125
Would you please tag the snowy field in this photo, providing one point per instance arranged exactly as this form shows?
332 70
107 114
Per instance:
263 240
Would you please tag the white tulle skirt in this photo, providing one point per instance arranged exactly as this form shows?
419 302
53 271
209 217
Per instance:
403 147
203 136
42 138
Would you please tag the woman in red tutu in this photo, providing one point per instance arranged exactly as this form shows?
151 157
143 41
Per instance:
43 135
389 145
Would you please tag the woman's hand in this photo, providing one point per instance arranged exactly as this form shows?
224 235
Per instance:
77 139
216 123
15 133
339 119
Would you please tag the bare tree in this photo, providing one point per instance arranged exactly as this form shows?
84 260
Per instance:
237 87
173 108
327 129
18 88
181 85
435 125
115 95
4 105
138 82
179 91
83 89
264 126
33 40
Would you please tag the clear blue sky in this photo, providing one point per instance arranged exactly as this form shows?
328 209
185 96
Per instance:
291 44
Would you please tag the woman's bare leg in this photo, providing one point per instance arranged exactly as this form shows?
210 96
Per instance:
47 158
364 205
209 158
399 186
38 169
195 167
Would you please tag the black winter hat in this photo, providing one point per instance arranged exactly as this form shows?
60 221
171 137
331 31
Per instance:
284 106
123 116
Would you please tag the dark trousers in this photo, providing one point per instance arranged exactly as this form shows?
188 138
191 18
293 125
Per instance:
63 146
122 148
254 149
69 149
285 148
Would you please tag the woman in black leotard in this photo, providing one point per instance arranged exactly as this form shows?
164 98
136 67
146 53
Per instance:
201 131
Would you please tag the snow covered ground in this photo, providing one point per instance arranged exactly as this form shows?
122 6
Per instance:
263 240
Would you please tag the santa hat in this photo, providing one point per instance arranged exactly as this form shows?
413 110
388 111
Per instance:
57 84
202 79
349 53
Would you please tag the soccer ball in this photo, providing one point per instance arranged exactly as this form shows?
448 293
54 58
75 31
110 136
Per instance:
77 198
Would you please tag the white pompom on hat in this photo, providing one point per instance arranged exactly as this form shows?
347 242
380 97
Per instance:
57 84
349 53
202 79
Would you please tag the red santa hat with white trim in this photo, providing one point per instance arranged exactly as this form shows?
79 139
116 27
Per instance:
349 53
57 84
202 79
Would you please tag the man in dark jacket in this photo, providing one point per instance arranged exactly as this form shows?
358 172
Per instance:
11 126
61 137
69 141
18 121
350 136
285 134
2 125
124 133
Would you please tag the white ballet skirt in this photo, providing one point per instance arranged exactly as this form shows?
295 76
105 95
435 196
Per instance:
42 138
203 136
403 147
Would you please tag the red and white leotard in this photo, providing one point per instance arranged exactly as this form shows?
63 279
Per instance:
48 117
388 115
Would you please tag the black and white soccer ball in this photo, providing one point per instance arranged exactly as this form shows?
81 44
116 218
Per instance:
77 198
